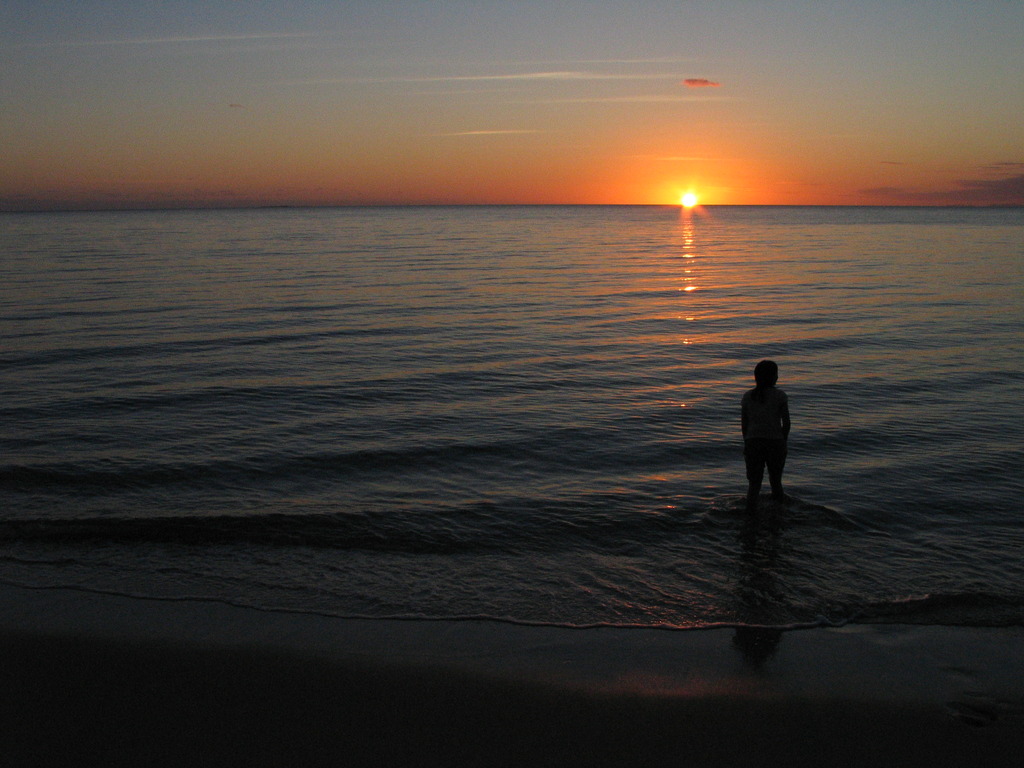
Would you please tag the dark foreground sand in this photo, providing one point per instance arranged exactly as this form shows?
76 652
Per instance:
100 680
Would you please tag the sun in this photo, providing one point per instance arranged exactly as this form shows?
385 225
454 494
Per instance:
688 200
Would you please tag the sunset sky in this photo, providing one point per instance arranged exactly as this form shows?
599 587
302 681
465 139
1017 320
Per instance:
112 104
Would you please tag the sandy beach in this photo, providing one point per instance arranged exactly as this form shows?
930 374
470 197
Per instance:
98 679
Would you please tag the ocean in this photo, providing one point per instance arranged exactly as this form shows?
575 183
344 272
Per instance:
525 414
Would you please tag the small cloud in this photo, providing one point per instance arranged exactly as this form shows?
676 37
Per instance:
1006 167
700 82
235 106
1011 188
1002 191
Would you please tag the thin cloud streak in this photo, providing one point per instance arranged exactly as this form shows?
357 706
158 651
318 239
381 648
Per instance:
505 132
645 99
602 62
173 40
557 76
695 158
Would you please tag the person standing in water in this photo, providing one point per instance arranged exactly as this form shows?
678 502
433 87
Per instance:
765 425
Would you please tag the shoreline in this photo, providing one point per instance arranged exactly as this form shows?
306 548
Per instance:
125 681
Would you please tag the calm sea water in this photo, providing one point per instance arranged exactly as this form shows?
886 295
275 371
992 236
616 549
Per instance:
526 413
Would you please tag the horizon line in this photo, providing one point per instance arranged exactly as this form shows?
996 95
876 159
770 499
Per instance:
309 206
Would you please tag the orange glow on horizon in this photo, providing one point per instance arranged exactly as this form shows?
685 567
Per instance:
341 105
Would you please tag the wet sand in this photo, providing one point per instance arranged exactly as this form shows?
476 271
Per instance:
106 680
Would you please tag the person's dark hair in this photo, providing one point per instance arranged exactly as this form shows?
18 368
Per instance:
766 373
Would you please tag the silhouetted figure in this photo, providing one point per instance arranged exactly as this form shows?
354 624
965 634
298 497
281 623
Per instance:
765 424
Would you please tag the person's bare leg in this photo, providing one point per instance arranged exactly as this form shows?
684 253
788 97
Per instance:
776 463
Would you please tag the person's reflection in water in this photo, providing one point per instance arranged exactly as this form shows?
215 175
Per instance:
758 594
757 644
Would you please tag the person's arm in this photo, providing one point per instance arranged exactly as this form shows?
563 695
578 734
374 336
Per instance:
744 419
784 413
